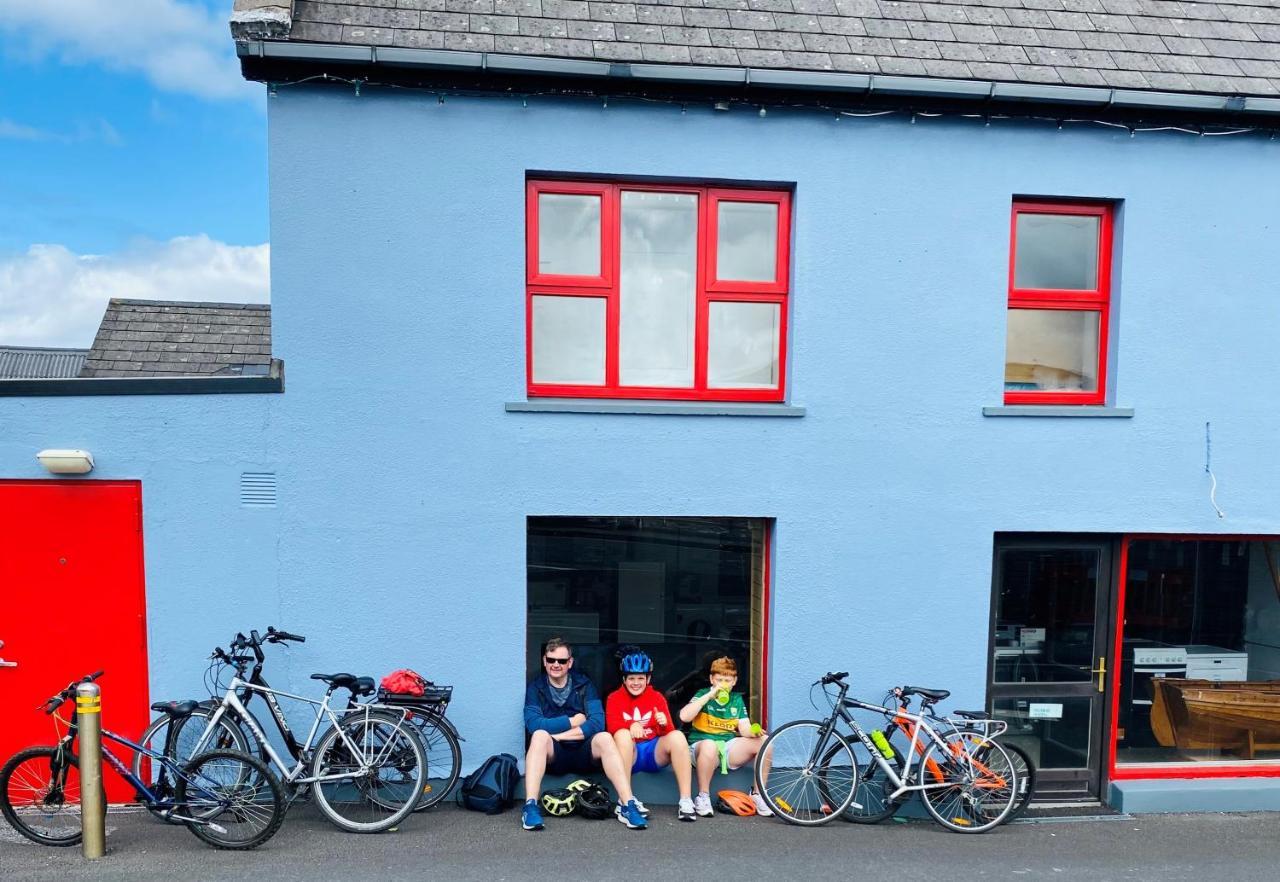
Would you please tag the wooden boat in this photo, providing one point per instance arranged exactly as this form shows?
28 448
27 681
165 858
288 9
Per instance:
1236 716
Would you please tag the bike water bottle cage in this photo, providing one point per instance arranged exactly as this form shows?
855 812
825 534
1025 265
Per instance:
636 663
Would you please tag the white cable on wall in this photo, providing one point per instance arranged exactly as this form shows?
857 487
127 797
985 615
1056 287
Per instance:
1213 487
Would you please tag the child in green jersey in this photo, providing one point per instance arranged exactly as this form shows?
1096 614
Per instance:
721 733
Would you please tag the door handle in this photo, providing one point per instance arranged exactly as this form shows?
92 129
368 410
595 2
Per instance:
6 664
1101 671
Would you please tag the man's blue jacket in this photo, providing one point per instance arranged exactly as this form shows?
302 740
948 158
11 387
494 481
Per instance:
541 712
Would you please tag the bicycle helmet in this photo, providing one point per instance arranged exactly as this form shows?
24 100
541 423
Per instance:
559 803
580 785
636 663
594 803
735 802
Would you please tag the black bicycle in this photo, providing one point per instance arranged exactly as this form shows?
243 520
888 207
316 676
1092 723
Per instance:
225 797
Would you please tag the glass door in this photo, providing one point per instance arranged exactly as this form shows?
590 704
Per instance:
1049 657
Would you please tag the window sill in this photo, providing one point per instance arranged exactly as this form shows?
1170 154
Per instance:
1058 410
664 408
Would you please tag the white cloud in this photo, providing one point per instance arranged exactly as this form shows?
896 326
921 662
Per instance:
179 46
92 130
50 296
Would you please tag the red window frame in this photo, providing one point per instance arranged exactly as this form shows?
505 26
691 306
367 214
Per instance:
1095 300
607 286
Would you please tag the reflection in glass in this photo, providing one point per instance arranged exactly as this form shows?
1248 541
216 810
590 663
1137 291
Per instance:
658 293
568 340
568 234
1200 670
1056 251
1053 731
1052 350
747 241
684 590
742 346
1045 615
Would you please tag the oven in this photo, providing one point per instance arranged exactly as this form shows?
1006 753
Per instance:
1144 661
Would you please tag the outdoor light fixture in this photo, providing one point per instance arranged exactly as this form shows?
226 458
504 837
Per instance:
66 462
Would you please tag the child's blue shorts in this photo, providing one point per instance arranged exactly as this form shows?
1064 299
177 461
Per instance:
646 761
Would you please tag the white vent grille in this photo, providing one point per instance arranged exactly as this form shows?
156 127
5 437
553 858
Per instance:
258 490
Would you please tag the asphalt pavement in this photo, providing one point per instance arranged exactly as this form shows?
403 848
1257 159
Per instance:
448 843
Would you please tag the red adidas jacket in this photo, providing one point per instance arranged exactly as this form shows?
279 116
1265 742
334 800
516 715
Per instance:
622 710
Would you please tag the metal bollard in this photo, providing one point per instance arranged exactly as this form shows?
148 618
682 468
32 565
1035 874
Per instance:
93 809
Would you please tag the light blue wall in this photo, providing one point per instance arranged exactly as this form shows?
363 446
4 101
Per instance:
397 237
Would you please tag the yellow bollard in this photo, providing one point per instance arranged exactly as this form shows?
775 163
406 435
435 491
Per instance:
93 809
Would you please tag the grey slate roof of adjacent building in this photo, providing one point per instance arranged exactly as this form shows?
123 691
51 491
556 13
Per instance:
40 362
1223 48
160 338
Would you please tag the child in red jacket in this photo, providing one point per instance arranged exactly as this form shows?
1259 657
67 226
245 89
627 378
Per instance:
646 736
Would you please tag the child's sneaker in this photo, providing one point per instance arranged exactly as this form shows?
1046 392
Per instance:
531 817
640 807
685 811
630 815
702 805
762 808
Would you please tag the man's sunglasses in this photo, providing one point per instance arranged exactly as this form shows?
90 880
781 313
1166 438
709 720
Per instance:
552 660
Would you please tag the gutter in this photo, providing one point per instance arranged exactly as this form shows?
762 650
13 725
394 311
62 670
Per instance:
849 84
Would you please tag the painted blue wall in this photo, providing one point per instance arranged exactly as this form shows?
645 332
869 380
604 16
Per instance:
398 299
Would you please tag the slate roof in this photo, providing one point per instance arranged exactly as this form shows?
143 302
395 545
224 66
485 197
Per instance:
1222 48
39 362
159 338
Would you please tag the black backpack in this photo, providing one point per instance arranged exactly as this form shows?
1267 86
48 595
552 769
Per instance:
492 787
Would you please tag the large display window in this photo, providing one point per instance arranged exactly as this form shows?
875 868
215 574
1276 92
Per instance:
1199 679
685 590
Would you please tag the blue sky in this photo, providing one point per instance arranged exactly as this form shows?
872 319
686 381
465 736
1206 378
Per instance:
132 162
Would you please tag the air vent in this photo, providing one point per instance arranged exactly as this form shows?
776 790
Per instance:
258 490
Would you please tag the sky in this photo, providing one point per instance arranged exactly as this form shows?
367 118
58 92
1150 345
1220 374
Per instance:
133 163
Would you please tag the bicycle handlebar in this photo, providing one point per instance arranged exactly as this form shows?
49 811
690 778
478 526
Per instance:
276 636
56 701
834 677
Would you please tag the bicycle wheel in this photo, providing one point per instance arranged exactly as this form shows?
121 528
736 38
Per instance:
966 794
444 759
187 732
871 803
1026 778
370 770
231 800
787 773
39 804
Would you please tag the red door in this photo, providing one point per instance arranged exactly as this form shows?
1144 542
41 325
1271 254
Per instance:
72 602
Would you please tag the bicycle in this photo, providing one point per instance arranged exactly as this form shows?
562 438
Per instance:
226 798
807 771
871 804
366 772
440 738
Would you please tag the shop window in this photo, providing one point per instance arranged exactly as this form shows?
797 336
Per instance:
685 590
1200 661
1059 303
656 291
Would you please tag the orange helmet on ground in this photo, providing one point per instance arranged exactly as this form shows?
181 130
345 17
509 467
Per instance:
735 802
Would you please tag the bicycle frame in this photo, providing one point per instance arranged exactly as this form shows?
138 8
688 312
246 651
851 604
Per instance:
902 782
903 720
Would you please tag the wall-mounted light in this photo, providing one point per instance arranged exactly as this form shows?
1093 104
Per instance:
66 462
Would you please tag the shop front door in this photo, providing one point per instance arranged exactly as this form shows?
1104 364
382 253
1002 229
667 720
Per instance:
1049 656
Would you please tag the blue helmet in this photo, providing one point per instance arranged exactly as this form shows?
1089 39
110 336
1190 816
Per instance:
636 663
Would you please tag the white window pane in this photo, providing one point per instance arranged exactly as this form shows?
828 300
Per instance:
658 292
743 345
1052 350
568 340
1056 251
747 241
568 234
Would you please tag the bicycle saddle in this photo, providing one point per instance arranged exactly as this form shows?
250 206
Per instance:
357 685
176 709
930 694
972 715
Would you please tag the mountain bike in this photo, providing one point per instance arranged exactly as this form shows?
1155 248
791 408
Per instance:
226 798
808 773
871 803
366 772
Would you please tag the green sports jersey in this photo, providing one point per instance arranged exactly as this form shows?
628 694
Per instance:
716 721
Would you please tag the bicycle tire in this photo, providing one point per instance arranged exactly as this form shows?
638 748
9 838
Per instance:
443 752
154 736
250 785
21 812
793 792
870 803
1026 782
397 775
967 805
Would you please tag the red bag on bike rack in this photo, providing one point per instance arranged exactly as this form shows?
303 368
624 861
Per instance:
404 682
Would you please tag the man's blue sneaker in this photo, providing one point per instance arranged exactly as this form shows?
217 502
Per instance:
629 814
531 817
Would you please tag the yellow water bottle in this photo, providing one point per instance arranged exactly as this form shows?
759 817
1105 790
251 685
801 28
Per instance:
882 744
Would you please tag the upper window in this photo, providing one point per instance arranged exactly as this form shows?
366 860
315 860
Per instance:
655 291
1059 303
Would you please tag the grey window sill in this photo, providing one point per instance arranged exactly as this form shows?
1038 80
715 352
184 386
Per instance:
665 408
1041 410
